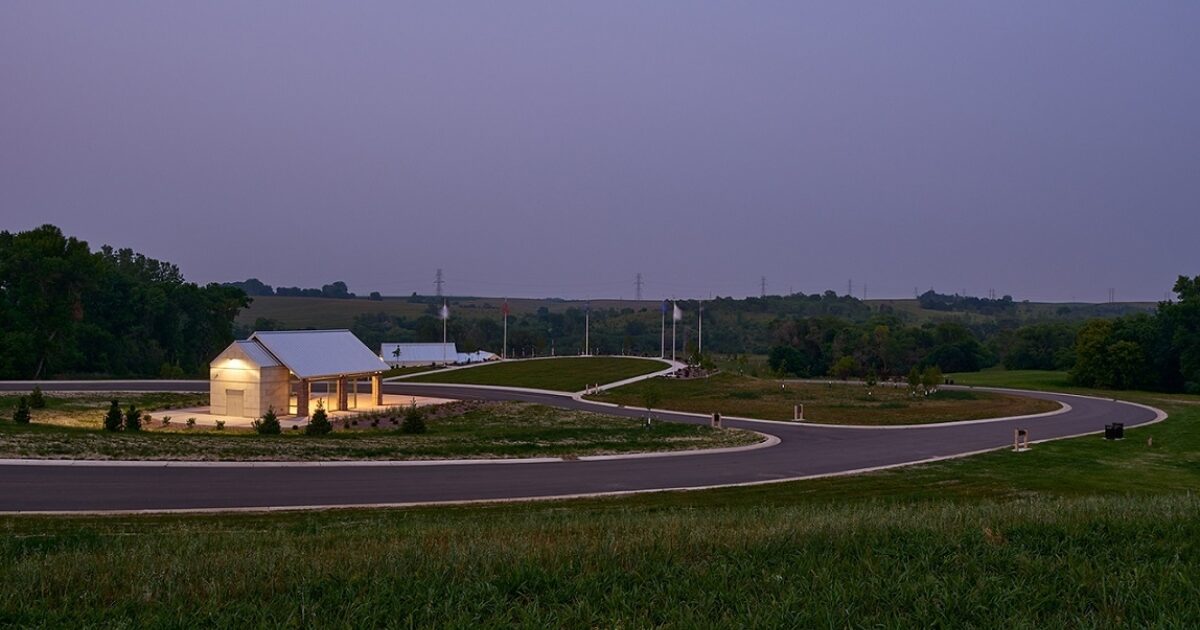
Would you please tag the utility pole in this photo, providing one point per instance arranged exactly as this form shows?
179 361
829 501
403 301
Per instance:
637 284
438 282
850 287
1112 296
762 287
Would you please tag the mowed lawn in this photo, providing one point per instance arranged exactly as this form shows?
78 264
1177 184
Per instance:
466 430
773 399
567 374
1075 533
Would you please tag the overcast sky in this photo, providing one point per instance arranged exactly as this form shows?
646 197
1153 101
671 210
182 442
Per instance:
1048 150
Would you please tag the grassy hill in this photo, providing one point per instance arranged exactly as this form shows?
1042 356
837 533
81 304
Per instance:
304 312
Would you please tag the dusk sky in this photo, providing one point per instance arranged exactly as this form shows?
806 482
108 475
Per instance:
1047 150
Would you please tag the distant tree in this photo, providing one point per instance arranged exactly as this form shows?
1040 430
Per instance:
336 290
376 296
252 287
21 414
844 368
36 399
650 396
914 380
931 378
319 423
133 418
113 419
268 424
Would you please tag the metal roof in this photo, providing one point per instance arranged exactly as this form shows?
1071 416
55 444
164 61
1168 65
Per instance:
419 352
257 353
320 353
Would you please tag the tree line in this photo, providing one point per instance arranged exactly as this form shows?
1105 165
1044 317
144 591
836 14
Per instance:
70 311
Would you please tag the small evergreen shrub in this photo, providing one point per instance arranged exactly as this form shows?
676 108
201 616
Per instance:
318 424
21 414
414 421
191 422
113 419
133 418
166 420
220 423
36 399
268 424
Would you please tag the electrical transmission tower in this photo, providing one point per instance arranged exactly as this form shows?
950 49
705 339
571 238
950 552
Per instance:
438 282
637 284
850 287
1112 296
762 287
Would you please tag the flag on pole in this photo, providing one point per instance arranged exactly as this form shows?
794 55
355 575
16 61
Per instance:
504 309
664 307
677 315
444 314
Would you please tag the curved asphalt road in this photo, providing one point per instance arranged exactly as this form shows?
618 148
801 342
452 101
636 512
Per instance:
803 451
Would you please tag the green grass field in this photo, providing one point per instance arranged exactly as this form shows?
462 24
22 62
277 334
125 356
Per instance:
458 430
1075 533
772 399
567 374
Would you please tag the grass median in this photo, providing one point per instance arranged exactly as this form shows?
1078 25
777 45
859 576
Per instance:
466 430
837 403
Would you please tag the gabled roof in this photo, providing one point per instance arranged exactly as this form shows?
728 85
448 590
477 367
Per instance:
319 353
257 353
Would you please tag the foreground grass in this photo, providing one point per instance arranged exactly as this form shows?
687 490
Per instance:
1091 562
459 430
568 374
1075 533
771 399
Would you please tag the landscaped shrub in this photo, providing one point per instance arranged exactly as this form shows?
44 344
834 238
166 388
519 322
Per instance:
21 415
113 419
220 423
36 399
191 422
318 424
414 421
133 418
166 420
268 424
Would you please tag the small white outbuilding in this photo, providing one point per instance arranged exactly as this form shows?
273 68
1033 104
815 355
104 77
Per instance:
272 368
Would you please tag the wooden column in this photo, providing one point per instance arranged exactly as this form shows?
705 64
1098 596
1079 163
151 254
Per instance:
343 394
302 398
377 389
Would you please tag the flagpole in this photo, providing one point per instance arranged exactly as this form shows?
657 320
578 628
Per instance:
674 306
662 346
700 333
445 316
504 345
587 325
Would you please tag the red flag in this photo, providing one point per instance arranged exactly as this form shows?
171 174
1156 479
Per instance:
504 309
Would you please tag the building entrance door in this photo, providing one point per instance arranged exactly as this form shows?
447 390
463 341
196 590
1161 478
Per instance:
235 402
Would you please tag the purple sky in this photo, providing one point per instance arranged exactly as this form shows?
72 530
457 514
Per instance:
1049 150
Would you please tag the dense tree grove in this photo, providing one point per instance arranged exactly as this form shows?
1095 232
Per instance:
67 310
255 287
1156 351
881 346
